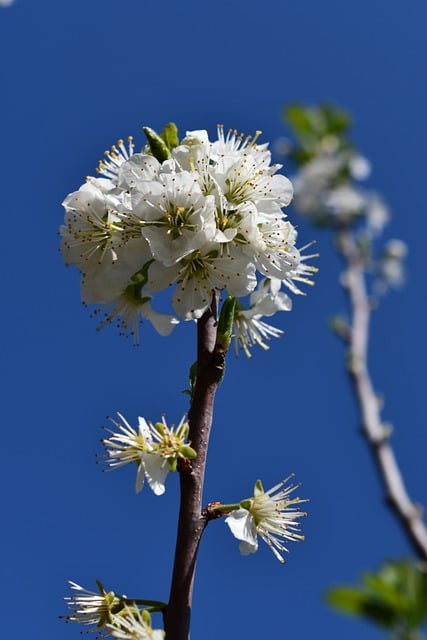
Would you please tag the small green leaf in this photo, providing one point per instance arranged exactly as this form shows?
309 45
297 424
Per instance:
353 601
157 145
225 324
258 489
188 452
170 135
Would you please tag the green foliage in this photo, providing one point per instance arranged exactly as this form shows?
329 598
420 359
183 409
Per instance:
316 126
395 597
162 145
192 376
225 325
158 146
170 135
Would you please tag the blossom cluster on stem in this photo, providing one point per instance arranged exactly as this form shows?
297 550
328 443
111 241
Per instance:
208 217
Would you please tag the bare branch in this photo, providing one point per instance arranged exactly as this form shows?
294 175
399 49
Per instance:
192 522
377 434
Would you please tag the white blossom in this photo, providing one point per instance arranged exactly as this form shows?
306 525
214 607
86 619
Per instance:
154 448
91 608
133 624
209 218
271 515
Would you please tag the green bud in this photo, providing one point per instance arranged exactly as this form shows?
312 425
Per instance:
170 135
188 452
172 464
258 489
185 429
158 146
225 324
146 617
160 428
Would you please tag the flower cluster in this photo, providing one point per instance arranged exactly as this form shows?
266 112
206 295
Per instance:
110 614
326 188
154 448
272 515
205 217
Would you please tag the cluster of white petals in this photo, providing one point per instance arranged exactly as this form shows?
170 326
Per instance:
154 448
109 615
209 218
326 189
272 515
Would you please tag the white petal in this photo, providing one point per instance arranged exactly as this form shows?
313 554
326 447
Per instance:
156 470
139 482
242 526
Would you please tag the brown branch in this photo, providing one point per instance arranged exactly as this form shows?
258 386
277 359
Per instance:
192 522
377 435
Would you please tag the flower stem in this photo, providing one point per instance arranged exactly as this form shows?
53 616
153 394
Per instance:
192 522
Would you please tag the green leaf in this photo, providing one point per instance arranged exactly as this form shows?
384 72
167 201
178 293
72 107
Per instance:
170 135
394 596
353 601
157 145
225 325
297 117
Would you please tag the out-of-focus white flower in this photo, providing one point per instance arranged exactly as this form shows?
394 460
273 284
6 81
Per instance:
391 267
6 3
359 167
133 624
154 448
90 608
272 515
345 201
324 190
377 214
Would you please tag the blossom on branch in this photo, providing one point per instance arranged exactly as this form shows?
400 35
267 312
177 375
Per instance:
272 515
197 217
90 608
154 448
133 624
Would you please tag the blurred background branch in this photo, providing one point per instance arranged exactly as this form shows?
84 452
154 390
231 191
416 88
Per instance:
327 192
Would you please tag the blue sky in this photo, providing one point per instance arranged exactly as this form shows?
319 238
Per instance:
76 77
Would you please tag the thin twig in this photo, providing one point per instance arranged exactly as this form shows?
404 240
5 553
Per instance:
377 435
192 522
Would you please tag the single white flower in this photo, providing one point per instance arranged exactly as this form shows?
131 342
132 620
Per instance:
90 608
377 214
133 624
174 216
345 200
154 448
131 446
391 267
272 515
93 229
